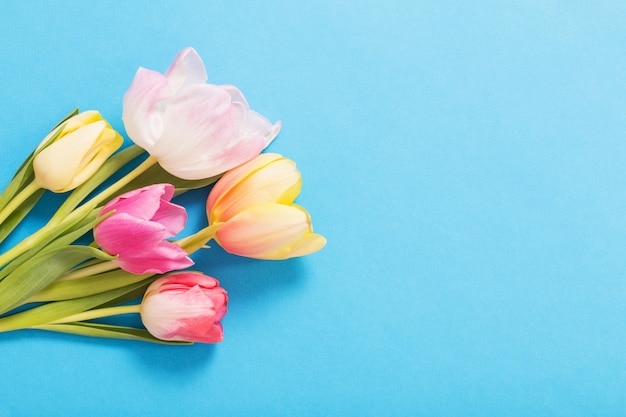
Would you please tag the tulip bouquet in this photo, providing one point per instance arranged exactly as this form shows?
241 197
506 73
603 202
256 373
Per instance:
187 134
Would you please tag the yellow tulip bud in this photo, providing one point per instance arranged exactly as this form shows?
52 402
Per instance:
252 207
82 144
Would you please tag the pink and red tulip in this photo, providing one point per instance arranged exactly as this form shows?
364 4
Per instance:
185 306
195 130
137 230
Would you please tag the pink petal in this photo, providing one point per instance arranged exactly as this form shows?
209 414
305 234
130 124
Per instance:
172 217
257 125
141 110
211 126
122 234
187 68
165 258
142 203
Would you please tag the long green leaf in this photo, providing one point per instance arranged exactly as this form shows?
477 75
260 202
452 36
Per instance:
40 271
157 175
82 287
107 331
54 239
18 215
50 312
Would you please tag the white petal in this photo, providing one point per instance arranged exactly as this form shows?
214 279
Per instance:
187 68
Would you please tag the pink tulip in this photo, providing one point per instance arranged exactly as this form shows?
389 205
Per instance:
252 207
194 129
136 231
185 306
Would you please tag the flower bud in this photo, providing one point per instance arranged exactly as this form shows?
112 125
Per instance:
185 306
254 210
82 144
136 231
195 130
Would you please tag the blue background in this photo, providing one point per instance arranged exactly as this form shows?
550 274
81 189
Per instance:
465 160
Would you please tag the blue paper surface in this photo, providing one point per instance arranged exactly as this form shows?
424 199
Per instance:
465 160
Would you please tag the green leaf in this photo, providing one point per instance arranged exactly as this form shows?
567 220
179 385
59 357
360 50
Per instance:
50 312
82 287
18 215
40 271
53 239
157 175
107 331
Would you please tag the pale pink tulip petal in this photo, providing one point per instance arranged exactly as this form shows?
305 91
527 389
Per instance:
195 130
211 126
257 125
187 68
141 107
204 116
236 96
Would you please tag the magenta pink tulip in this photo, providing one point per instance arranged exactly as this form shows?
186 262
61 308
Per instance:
185 306
137 230
195 130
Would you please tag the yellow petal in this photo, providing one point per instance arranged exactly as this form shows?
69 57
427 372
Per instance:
264 231
277 182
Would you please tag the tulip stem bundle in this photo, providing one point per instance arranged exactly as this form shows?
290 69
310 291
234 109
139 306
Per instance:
18 200
195 134
100 313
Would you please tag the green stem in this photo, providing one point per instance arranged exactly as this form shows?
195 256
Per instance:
199 239
90 270
16 201
99 313
140 169
42 234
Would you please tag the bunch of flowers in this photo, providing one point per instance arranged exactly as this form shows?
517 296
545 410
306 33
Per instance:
195 135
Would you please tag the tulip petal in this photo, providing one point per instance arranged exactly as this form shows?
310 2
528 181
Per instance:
236 175
67 157
142 203
141 107
195 130
171 216
127 235
264 231
278 182
187 68
185 306
163 258
309 244
210 124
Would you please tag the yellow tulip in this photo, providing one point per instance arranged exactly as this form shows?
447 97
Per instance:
252 207
82 144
